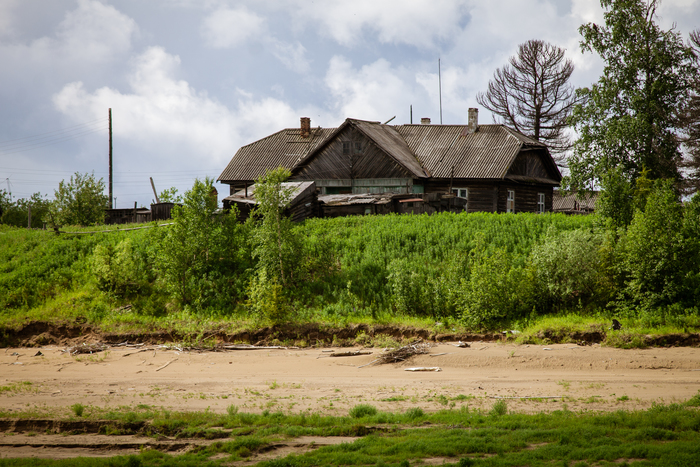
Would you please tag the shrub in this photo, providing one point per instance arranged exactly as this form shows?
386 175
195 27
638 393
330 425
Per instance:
496 291
363 410
500 408
568 268
78 409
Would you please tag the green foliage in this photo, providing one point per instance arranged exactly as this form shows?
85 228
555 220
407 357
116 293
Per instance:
17 213
628 118
568 269
654 250
80 201
363 410
200 259
276 248
117 268
496 291
169 195
500 408
78 409
615 201
275 245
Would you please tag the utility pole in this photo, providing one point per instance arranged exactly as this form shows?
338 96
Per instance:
111 192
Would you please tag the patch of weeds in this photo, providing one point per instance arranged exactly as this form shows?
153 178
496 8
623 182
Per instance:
499 408
363 410
593 400
565 384
15 388
274 385
693 401
232 410
414 413
623 398
462 397
395 399
442 399
78 409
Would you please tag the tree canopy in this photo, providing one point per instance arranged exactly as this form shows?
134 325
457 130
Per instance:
532 94
628 119
80 201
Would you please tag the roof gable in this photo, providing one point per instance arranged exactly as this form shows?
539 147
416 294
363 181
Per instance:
384 137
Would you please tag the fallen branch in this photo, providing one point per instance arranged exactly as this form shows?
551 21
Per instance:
171 361
424 368
349 354
86 348
404 353
138 351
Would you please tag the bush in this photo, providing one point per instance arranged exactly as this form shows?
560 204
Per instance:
363 410
499 408
496 291
568 269
80 201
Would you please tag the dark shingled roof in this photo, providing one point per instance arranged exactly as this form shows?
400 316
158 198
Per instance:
424 150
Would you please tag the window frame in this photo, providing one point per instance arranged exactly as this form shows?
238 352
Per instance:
458 191
510 201
541 203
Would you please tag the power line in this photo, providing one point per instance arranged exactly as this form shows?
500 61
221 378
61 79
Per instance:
45 135
57 139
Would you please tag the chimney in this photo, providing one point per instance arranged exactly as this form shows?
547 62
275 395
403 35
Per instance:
305 127
425 121
473 122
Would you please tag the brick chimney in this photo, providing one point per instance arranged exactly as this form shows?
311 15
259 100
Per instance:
425 121
305 127
473 122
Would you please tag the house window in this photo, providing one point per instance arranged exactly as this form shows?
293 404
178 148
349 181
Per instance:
462 193
540 203
347 145
510 204
358 147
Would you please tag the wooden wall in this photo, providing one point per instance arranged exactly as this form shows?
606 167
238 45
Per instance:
529 163
331 163
492 196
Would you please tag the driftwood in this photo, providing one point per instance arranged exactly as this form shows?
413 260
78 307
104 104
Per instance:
86 348
255 347
160 368
404 353
349 354
424 368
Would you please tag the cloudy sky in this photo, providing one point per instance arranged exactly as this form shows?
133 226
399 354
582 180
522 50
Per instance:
190 81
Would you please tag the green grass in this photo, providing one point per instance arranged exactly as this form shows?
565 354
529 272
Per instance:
663 435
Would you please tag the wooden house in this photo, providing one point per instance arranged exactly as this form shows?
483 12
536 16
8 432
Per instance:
455 167
303 201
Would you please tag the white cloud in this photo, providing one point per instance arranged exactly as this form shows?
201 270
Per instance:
92 33
375 91
413 22
226 27
164 115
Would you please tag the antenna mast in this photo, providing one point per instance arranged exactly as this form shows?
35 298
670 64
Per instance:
110 158
440 89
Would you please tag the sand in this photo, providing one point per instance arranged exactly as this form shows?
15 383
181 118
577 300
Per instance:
533 378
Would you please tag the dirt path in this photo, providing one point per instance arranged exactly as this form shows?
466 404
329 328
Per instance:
532 378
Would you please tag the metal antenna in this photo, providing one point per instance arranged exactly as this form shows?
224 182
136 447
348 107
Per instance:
440 89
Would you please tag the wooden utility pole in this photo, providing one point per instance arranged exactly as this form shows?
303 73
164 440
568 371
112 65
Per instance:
111 192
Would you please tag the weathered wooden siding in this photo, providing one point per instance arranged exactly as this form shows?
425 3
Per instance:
331 163
492 196
530 164
525 197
